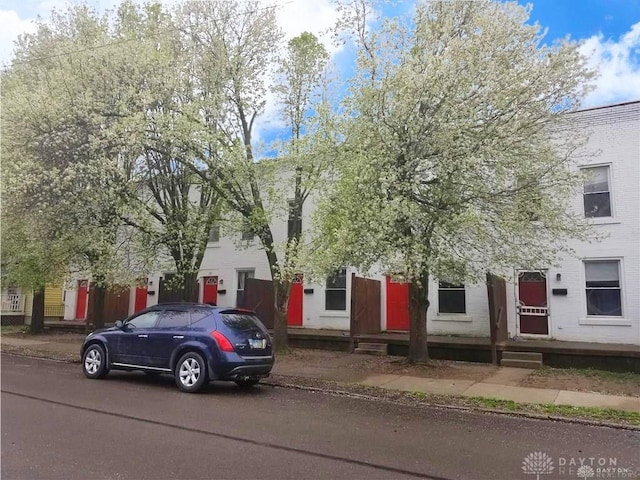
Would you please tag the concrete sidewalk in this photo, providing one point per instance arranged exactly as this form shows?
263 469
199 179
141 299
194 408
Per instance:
503 385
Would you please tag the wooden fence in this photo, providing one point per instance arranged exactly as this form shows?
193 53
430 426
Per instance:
365 307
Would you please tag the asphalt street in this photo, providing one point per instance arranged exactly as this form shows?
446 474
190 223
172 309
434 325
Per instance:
58 425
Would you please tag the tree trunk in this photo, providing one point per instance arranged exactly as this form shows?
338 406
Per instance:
37 312
99 292
190 287
418 305
280 334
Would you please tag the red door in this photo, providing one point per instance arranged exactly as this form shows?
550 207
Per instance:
532 303
210 290
140 302
294 307
397 305
81 304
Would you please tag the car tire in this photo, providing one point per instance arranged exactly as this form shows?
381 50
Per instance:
94 361
247 382
191 372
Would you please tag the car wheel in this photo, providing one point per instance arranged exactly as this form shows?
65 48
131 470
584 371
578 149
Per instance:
247 382
191 372
94 361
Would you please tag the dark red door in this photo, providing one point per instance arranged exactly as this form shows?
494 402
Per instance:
210 290
397 305
294 307
532 303
140 302
81 304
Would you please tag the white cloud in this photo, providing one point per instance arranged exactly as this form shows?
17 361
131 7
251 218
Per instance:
316 16
12 27
295 17
618 63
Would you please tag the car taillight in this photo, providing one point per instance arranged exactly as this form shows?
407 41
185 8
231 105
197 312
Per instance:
223 342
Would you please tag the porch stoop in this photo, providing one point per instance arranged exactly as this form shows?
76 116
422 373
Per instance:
372 348
531 360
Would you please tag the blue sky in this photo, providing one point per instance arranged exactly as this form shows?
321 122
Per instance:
583 19
610 30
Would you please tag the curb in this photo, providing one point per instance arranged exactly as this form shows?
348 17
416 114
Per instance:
280 381
274 382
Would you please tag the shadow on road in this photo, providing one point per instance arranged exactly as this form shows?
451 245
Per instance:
168 382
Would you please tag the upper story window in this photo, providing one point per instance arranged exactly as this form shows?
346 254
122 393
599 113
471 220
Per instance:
214 234
247 231
335 294
604 295
596 192
529 197
451 298
294 224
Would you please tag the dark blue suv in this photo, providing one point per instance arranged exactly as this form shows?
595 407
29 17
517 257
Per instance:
196 343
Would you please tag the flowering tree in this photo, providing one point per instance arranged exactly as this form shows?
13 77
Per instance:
304 156
456 159
64 174
32 256
235 47
98 112
169 206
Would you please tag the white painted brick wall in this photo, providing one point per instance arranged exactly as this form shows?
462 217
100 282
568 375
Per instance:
615 131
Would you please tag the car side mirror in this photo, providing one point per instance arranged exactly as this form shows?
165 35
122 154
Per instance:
119 324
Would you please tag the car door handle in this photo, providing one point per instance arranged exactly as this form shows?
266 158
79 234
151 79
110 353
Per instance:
143 336
178 336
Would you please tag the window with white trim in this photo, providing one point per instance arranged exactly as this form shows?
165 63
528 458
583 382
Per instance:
294 222
247 231
451 298
596 192
242 280
335 293
214 234
604 294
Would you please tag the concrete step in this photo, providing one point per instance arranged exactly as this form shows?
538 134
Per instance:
534 356
532 364
363 351
372 348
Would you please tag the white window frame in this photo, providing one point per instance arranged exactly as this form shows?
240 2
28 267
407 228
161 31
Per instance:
238 273
610 218
213 242
463 288
345 289
245 234
601 319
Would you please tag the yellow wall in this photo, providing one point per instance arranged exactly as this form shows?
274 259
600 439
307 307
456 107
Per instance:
53 295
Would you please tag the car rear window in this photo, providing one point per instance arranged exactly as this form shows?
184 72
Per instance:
240 321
